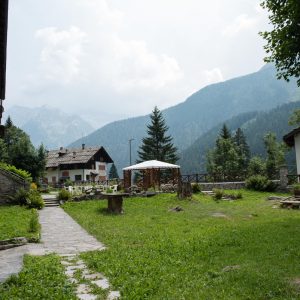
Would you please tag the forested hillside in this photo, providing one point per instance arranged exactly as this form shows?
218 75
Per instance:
255 127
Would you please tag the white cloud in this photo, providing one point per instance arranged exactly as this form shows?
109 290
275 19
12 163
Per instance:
61 53
241 23
138 67
213 76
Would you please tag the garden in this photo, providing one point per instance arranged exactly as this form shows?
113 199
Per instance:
247 248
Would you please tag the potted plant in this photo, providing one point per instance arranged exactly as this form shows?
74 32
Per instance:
296 190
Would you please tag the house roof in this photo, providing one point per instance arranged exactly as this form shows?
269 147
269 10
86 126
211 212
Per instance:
65 156
289 138
152 164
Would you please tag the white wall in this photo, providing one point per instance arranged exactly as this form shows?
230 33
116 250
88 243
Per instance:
72 173
297 149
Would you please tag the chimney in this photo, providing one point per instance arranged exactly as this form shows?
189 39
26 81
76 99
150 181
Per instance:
61 148
83 146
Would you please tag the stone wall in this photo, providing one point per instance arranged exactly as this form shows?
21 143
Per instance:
9 184
209 186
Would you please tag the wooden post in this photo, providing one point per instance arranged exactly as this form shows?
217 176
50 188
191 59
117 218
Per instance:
127 179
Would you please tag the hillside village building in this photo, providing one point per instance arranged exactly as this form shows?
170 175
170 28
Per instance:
292 139
83 164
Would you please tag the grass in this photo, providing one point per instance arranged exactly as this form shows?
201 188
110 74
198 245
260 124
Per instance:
154 253
41 278
15 222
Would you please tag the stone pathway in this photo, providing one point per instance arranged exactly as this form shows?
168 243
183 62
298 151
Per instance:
60 234
86 281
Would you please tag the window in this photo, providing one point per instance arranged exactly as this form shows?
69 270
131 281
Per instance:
87 177
78 178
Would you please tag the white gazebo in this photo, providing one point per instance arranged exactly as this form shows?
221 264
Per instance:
151 172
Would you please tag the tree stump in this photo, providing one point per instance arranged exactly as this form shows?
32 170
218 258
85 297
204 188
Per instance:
184 190
115 204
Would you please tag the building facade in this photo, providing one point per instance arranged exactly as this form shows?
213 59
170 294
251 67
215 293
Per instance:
77 165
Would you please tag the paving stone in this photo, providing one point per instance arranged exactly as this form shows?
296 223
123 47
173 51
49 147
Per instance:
92 276
73 280
83 289
86 297
70 273
102 283
113 295
66 263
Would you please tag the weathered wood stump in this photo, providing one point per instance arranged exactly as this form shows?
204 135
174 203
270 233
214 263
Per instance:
114 202
184 190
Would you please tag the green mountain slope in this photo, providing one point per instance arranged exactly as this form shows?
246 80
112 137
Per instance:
199 113
193 159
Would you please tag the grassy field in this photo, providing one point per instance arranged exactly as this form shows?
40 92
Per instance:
246 249
41 278
14 222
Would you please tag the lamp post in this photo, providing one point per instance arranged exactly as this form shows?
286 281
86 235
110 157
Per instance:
130 140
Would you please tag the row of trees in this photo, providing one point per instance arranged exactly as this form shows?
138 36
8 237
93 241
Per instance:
16 149
231 158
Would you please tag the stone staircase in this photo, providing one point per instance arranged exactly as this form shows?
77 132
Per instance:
50 200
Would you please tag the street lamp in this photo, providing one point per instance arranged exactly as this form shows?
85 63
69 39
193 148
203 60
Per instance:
130 140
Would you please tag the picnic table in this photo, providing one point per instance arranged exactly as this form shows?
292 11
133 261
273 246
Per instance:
115 202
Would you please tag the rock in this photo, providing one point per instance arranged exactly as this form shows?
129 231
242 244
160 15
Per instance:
277 198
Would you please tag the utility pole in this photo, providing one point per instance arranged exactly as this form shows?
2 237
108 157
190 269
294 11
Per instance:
3 55
130 140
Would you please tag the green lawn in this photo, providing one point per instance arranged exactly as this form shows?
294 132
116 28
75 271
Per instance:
14 222
154 253
41 278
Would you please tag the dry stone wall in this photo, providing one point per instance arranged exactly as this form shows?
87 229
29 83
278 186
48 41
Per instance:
9 184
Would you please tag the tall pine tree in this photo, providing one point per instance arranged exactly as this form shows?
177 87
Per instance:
157 145
113 172
243 150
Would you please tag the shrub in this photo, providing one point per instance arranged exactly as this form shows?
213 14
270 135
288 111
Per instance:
64 195
35 200
196 188
218 194
33 186
24 174
260 183
34 225
69 182
239 195
21 197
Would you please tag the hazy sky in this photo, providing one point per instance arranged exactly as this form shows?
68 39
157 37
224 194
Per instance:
112 59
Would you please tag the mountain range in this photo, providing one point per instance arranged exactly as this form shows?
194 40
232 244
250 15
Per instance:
49 126
198 114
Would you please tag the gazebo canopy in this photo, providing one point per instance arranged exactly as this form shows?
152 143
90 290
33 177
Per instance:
151 164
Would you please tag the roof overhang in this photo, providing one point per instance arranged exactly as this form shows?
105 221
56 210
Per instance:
151 164
289 138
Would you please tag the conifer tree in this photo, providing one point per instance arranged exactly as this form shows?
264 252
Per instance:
157 145
222 161
113 172
275 155
243 150
225 132
9 123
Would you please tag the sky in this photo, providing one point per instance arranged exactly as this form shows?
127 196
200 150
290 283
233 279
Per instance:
107 60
